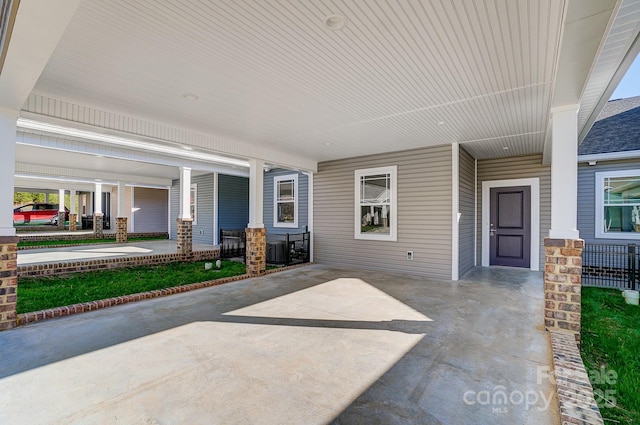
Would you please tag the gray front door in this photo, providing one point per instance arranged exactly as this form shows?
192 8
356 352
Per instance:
510 226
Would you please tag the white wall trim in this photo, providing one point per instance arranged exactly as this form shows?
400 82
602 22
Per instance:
133 208
455 210
534 183
475 212
310 213
216 232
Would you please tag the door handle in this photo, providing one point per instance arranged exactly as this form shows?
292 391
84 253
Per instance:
492 231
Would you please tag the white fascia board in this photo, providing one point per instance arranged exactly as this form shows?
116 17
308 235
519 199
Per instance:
85 147
242 149
74 174
609 156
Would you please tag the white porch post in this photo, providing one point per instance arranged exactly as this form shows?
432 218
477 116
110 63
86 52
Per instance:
184 225
256 182
61 214
185 193
121 218
455 208
98 224
256 244
564 173
97 199
73 208
7 170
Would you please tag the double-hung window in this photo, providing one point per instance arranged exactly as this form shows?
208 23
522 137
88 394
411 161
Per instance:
375 203
618 204
285 201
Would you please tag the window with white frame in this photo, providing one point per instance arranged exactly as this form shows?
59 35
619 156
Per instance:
618 204
375 203
285 201
193 203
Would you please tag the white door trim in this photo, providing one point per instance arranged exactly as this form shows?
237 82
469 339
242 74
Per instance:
534 183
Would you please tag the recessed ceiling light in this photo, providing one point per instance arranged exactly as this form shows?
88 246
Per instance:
335 22
506 148
441 123
328 143
190 96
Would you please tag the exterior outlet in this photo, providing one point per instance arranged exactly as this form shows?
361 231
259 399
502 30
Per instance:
409 255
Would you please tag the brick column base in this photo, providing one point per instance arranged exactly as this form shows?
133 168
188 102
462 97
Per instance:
185 236
562 285
121 230
73 222
61 216
256 251
97 225
8 281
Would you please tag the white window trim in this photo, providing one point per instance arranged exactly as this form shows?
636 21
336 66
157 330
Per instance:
194 217
276 180
599 216
393 222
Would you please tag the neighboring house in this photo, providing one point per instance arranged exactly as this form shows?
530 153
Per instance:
220 201
609 175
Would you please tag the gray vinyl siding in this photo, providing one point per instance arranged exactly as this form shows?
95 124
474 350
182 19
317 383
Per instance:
466 207
520 167
303 202
149 209
233 202
587 198
203 231
424 214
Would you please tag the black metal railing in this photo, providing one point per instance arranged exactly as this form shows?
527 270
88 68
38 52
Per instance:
288 248
611 266
233 243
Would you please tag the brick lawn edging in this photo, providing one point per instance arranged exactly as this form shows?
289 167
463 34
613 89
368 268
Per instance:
51 269
71 237
575 393
51 313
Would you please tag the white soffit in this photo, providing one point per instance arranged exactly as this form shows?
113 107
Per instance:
270 73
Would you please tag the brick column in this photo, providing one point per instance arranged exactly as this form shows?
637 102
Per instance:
121 229
61 216
73 222
185 236
256 251
562 285
97 225
8 281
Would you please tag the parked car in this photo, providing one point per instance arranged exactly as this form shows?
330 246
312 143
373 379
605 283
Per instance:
38 213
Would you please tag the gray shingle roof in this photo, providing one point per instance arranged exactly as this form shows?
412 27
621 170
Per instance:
617 128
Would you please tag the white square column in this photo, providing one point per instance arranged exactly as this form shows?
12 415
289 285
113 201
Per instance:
256 188
8 121
60 200
185 193
564 173
73 209
122 191
97 199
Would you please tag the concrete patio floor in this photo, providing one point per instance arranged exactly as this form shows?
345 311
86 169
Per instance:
308 346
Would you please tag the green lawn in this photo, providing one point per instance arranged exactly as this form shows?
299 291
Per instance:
83 241
39 293
611 353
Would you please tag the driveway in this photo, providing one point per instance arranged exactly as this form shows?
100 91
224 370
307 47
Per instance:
313 345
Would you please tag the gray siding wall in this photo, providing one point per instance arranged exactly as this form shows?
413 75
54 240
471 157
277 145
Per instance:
303 202
233 202
518 168
203 231
466 206
150 209
587 198
424 214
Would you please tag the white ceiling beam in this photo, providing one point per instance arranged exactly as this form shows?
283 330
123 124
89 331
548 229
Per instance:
37 29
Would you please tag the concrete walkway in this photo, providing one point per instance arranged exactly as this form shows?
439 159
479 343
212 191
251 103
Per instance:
308 346
98 251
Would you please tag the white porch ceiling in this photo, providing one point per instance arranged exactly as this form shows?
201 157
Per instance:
400 75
